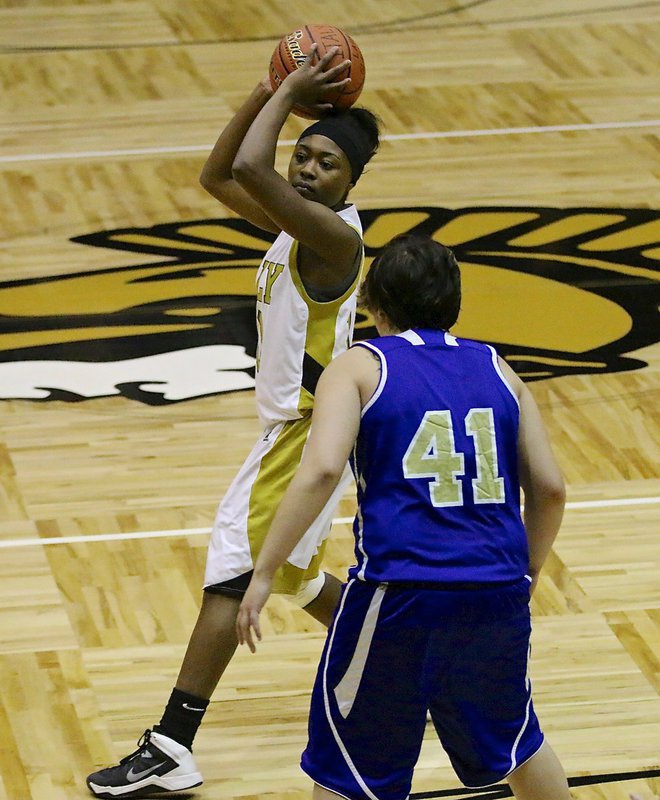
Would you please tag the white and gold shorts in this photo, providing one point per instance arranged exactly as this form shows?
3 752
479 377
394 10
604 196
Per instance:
245 514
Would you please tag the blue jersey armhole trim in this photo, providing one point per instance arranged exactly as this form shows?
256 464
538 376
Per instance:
498 370
383 374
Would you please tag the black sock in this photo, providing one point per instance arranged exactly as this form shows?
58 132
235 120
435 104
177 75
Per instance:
183 715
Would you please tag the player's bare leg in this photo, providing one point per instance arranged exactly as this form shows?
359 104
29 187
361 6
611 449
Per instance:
540 778
211 647
213 640
322 608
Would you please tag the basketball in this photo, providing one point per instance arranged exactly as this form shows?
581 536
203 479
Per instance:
292 50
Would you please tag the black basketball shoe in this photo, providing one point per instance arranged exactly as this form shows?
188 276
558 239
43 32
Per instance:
158 765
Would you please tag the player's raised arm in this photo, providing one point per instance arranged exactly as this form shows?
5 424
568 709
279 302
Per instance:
322 175
216 176
314 225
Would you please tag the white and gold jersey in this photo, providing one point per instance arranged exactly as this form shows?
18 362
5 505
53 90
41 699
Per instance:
298 336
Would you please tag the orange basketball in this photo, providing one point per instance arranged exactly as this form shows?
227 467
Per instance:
293 49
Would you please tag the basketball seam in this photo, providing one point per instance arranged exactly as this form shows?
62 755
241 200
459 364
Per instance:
351 42
277 65
349 54
287 62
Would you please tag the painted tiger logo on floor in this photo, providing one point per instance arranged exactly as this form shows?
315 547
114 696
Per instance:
557 291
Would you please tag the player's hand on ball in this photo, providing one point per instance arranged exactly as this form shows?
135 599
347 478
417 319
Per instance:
314 80
291 54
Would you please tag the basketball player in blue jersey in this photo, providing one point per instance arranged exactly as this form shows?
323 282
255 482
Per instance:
435 613
306 300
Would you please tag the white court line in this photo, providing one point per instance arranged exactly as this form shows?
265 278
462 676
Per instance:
394 137
116 537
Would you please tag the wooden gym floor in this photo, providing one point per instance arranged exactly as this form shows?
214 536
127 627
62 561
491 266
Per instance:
524 135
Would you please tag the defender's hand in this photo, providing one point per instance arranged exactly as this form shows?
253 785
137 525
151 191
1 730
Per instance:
247 620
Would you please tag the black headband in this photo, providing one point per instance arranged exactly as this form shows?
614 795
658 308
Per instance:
348 135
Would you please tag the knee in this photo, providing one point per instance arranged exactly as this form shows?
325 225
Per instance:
309 591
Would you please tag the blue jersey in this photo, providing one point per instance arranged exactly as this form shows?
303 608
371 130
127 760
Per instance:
435 464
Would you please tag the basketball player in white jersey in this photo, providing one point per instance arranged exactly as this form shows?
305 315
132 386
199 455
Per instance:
306 300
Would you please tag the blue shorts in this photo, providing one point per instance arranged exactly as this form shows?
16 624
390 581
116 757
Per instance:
394 651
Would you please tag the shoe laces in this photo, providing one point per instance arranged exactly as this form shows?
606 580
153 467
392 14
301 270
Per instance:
143 744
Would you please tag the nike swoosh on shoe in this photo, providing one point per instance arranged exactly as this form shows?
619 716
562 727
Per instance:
132 776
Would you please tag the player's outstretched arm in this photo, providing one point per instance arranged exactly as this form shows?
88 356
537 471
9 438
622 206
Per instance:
540 478
335 424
